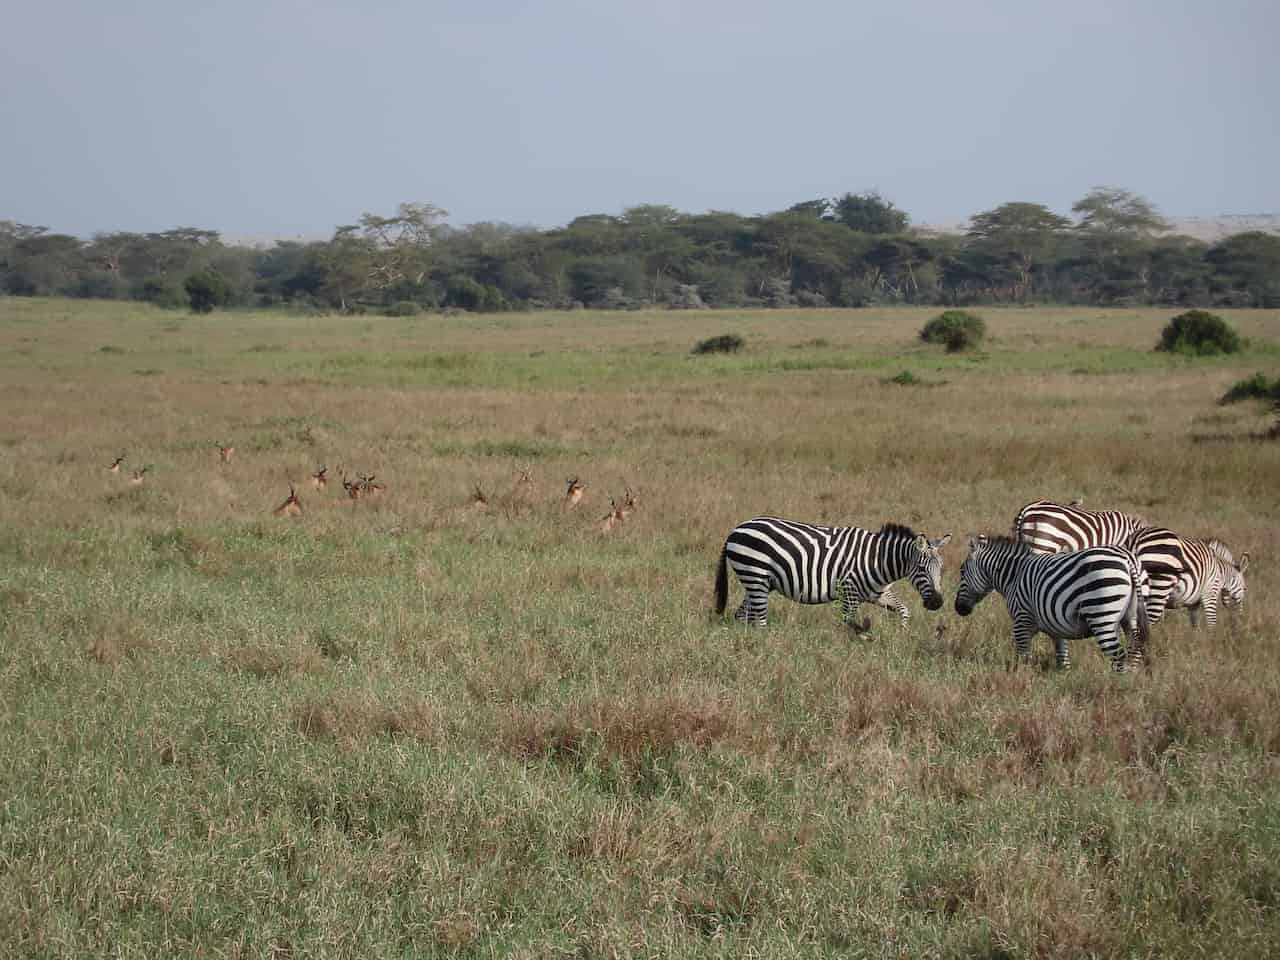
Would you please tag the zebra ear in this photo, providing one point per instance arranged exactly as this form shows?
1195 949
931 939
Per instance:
921 542
940 542
1243 565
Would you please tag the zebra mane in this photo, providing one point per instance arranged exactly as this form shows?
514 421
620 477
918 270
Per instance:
1012 544
1219 549
897 531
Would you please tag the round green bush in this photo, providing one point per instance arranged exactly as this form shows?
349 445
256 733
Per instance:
1198 333
403 308
725 343
957 329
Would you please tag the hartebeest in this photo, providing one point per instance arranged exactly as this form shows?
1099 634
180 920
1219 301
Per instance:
225 453
292 507
115 464
319 480
573 495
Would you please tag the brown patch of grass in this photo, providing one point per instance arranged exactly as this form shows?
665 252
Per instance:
349 718
623 730
116 638
878 702
262 661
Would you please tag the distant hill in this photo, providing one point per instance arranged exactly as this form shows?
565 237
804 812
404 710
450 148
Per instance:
1208 229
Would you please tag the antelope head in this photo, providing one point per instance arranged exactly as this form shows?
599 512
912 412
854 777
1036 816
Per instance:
478 500
138 476
225 453
115 464
629 502
319 480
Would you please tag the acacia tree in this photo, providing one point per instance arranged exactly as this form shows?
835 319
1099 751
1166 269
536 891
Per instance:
870 213
1017 238
397 246
1116 227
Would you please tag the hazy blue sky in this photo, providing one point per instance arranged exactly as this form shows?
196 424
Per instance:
291 117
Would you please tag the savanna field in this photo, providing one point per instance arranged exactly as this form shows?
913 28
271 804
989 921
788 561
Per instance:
415 726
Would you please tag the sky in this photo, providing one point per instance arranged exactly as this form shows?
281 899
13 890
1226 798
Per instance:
289 118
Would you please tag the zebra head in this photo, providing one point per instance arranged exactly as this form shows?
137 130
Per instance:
975 577
926 573
1233 581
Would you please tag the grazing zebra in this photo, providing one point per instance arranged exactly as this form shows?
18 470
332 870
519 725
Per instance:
1053 528
816 564
1188 573
1093 592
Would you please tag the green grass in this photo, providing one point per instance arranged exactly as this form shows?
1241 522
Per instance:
409 726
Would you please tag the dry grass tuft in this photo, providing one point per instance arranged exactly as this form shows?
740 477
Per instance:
262 661
351 718
623 730
115 639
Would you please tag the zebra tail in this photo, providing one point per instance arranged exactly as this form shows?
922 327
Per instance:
722 582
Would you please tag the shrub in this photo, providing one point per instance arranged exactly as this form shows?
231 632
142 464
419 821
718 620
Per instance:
403 308
957 329
725 343
1256 387
206 289
905 379
1198 333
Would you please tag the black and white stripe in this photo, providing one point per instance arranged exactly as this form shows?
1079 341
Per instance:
1190 573
1094 592
816 564
1054 527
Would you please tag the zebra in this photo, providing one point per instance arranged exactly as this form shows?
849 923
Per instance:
810 563
1189 573
1053 528
1093 592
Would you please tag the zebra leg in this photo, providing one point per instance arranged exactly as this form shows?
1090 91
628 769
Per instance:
889 600
1211 610
1061 653
1107 633
754 610
1193 614
849 601
1023 631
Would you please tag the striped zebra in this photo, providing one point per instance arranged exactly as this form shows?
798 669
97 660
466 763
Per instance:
1054 528
816 564
1093 592
1189 573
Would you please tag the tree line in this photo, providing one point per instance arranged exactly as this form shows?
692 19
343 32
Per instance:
850 251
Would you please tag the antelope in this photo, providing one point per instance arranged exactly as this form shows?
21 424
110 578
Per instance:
354 490
573 495
136 479
225 453
369 487
318 479
479 501
613 518
292 507
524 480
629 503
115 464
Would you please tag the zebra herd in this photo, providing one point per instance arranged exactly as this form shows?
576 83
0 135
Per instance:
1066 572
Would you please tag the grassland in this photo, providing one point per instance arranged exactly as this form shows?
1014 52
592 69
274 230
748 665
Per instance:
409 727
